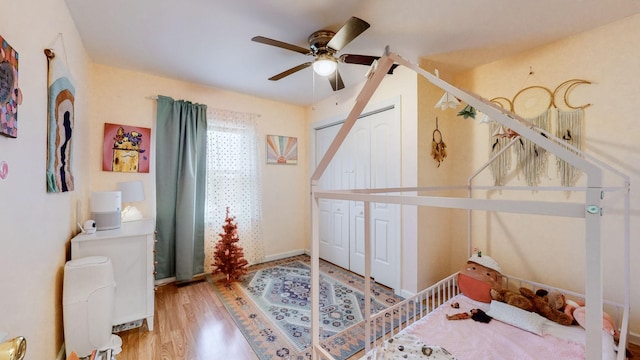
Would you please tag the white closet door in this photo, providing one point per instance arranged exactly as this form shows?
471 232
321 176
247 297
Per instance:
385 173
377 165
333 214
359 137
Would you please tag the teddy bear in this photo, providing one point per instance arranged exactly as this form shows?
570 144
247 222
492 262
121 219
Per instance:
548 304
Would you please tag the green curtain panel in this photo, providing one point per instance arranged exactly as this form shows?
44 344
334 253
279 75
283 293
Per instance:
181 137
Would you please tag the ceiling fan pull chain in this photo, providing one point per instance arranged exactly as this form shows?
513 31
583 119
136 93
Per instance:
313 90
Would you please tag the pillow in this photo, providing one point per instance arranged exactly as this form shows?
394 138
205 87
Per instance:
474 289
517 317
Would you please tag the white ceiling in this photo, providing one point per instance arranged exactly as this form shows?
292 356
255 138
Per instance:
209 41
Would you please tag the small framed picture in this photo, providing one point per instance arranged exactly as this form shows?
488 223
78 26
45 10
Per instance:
126 148
282 149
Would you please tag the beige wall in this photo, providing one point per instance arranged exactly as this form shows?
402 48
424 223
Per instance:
125 97
551 249
437 226
35 227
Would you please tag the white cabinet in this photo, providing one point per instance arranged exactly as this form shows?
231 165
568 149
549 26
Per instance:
130 249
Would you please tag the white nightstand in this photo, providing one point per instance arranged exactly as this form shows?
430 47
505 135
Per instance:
131 250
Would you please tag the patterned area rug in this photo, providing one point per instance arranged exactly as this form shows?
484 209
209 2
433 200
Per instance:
271 306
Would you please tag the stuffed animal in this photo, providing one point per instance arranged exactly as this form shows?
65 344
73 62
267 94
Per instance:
478 276
578 312
556 299
527 300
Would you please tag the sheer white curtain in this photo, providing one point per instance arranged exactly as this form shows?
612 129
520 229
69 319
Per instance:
233 180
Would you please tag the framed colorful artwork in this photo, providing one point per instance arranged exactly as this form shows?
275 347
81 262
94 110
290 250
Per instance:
10 94
126 148
282 149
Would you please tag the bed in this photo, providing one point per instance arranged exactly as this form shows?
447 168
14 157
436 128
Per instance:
406 330
419 319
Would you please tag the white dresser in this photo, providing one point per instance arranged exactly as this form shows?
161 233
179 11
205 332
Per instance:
131 250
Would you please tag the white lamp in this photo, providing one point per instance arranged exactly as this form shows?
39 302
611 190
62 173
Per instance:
324 65
132 191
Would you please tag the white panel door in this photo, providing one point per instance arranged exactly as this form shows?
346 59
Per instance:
360 172
333 214
377 165
385 172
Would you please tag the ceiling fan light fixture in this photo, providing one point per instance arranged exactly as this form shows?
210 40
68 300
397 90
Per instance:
324 65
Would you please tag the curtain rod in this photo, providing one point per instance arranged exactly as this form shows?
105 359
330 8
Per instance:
209 108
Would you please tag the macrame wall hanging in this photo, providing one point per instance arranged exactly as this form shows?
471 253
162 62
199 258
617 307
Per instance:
538 105
531 158
501 138
534 104
569 128
438 147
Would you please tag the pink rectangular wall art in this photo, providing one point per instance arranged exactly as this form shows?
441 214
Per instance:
126 148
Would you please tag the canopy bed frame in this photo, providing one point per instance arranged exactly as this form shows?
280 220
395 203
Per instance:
590 209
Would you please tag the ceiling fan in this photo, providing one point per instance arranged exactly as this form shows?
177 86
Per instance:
323 46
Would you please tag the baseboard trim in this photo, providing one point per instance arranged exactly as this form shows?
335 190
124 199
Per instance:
406 294
633 338
61 353
284 255
165 281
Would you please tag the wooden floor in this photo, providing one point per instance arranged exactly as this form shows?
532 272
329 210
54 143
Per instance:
192 324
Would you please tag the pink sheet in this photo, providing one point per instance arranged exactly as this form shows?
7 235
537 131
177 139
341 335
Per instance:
472 340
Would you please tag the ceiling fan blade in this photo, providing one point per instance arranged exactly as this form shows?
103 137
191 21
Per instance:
349 31
358 59
336 81
290 71
280 44
363 60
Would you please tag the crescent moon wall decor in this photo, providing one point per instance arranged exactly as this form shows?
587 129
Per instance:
568 86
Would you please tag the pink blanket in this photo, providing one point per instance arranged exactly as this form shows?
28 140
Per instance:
472 340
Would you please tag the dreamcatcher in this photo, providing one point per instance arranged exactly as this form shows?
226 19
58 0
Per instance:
438 147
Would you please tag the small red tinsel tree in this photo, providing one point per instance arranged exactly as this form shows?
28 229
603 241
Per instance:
228 255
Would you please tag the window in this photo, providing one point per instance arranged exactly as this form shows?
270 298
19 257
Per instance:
233 181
